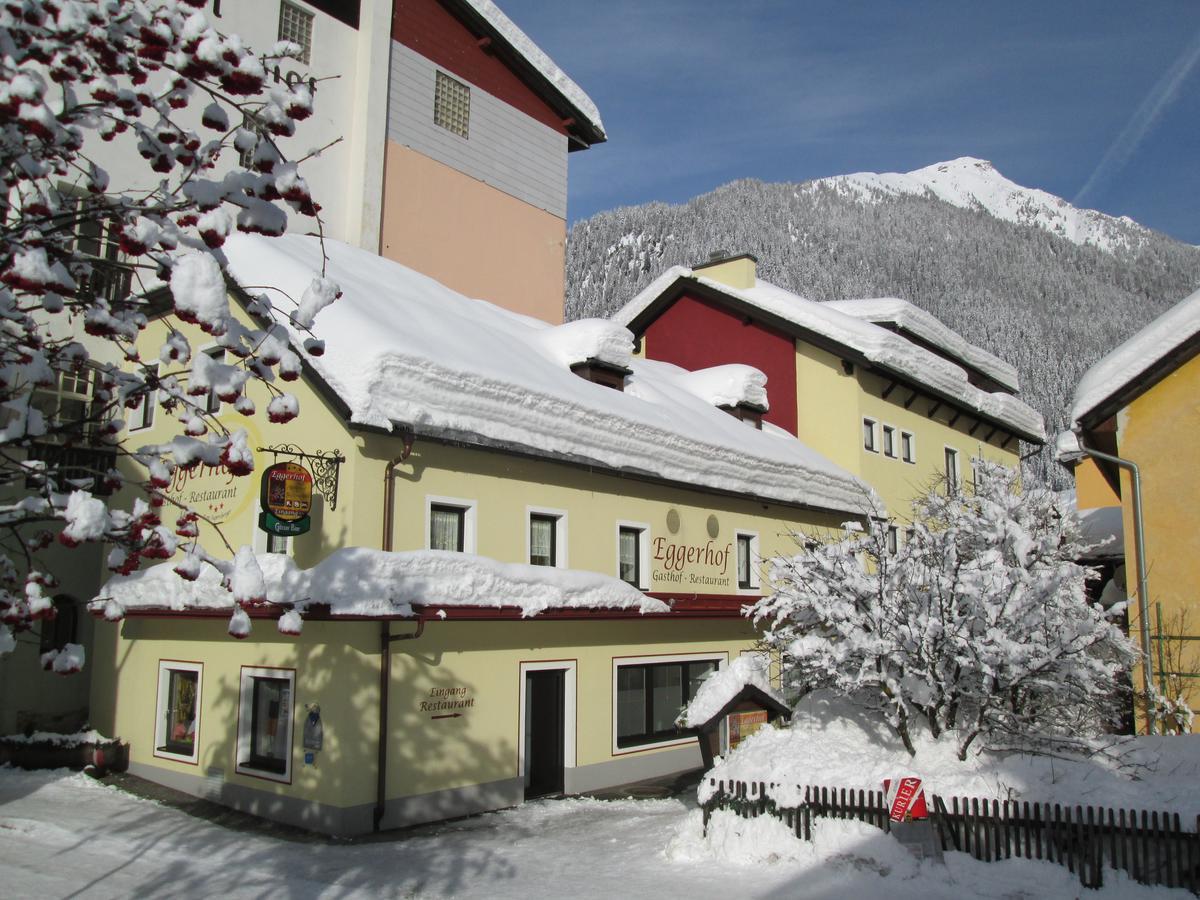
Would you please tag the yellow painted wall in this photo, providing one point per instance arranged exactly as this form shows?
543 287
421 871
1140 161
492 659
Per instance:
1160 431
1092 490
832 404
472 237
337 666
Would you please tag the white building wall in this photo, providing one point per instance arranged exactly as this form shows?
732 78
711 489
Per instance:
346 179
506 149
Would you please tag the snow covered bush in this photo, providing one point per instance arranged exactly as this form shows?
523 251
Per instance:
976 626
79 254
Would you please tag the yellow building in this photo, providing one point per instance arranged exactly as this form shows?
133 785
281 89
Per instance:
1137 407
526 548
878 386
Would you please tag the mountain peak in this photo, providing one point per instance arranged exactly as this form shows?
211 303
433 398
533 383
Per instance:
972 183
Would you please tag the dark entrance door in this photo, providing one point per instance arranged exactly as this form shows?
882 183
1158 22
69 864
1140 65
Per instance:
545 710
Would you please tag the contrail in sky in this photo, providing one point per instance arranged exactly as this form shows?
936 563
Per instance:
1160 97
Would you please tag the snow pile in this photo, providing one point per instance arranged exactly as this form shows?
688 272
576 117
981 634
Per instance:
576 342
833 744
729 385
537 58
357 581
1170 332
972 183
1067 448
59 740
928 327
723 685
880 346
403 348
767 840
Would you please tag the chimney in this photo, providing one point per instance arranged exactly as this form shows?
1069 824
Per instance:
738 271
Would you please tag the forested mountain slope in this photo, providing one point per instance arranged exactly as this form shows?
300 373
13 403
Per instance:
1019 272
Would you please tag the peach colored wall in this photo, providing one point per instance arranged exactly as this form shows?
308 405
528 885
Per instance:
471 237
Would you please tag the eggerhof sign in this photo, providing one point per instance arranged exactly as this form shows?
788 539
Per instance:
286 500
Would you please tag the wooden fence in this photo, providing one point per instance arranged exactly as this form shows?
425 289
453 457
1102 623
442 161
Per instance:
1153 848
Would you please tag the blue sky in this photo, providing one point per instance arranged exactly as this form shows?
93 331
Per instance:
1098 102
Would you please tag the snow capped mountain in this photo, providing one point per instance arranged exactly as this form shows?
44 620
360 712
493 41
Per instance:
972 183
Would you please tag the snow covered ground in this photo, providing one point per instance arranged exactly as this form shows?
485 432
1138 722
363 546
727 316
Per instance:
62 834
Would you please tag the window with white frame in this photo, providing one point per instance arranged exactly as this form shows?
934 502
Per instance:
177 723
908 447
870 442
142 415
747 560
296 25
893 539
951 469
450 524
650 692
889 441
265 723
633 553
547 535
452 105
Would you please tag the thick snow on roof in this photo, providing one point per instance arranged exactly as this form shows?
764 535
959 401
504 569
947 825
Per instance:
1116 371
537 58
723 685
917 321
358 581
879 345
729 385
402 348
975 184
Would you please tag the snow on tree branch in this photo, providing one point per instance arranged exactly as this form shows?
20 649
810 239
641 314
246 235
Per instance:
80 253
977 626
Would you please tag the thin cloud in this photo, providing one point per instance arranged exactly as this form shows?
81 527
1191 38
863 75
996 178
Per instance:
1144 118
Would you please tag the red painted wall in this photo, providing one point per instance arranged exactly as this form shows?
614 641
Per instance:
696 333
426 26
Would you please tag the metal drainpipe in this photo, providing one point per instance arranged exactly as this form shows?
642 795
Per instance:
386 638
1135 478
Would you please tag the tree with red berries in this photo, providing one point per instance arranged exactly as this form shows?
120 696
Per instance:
79 255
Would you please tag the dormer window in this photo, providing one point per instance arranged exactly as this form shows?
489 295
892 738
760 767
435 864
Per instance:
747 412
603 373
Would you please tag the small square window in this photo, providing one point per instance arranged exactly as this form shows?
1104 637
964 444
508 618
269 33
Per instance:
265 723
296 25
631 554
447 528
747 555
951 469
543 540
212 403
452 104
889 441
908 447
177 725
142 415
869 442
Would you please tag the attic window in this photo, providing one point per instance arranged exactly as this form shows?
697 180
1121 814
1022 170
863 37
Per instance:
296 25
451 104
599 372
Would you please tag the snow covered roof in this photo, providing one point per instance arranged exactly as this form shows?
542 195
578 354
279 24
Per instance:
928 327
402 348
358 581
1133 363
723 685
880 346
526 49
